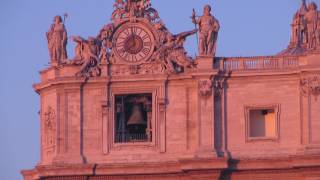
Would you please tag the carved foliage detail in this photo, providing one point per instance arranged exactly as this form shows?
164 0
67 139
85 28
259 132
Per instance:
205 88
49 127
134 9
310 86
218 84
151 68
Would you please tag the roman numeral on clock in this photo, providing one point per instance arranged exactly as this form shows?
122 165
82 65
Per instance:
145 51
145 37
134 30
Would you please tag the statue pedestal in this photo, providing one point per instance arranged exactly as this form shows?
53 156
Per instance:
205 62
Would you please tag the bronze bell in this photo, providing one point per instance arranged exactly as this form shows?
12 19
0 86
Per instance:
136 117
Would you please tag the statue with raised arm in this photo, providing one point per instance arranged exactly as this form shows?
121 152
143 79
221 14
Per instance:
57 41
208 31
87 55
172 53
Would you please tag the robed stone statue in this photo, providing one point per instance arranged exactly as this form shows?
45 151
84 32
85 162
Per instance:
208 31
57 41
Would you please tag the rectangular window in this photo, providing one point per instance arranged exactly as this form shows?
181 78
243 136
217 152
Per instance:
262 122
133 114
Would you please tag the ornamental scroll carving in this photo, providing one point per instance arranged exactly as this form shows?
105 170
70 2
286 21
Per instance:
88 56
135 22
134 9
205 88
151 68
310 86
49 127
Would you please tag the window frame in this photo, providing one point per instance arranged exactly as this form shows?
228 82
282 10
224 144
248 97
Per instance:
159 106
153 121
146 141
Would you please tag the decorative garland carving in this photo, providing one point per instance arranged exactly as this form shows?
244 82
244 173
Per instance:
310 85
49 126
205 88
134 9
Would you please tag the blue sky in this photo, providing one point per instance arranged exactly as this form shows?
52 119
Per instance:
248 28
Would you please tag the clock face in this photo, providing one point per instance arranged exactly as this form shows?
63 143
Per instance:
133 43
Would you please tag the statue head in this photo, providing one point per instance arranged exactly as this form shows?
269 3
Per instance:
312 6
207 10
57 19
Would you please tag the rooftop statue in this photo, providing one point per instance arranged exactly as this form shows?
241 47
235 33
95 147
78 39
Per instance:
208 31
305 36
312 20
57 41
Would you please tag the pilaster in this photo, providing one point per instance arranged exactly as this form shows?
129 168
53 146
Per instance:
309 109
69 126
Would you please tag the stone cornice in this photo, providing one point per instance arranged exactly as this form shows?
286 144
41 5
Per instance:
244 165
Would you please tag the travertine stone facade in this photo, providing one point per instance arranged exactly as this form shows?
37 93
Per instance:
203 118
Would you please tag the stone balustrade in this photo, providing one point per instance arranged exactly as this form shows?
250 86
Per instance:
259 63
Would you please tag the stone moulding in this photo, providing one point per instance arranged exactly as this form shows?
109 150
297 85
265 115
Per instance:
293 166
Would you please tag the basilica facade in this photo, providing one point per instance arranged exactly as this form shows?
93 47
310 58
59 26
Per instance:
132 104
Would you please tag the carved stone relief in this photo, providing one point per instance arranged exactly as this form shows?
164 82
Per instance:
219 85
87 55
305 36
49 127
205 88
134 9
310 85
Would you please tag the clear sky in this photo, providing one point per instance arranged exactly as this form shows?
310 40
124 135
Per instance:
248 28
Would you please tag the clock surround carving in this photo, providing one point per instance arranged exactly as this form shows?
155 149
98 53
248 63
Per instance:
135 37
